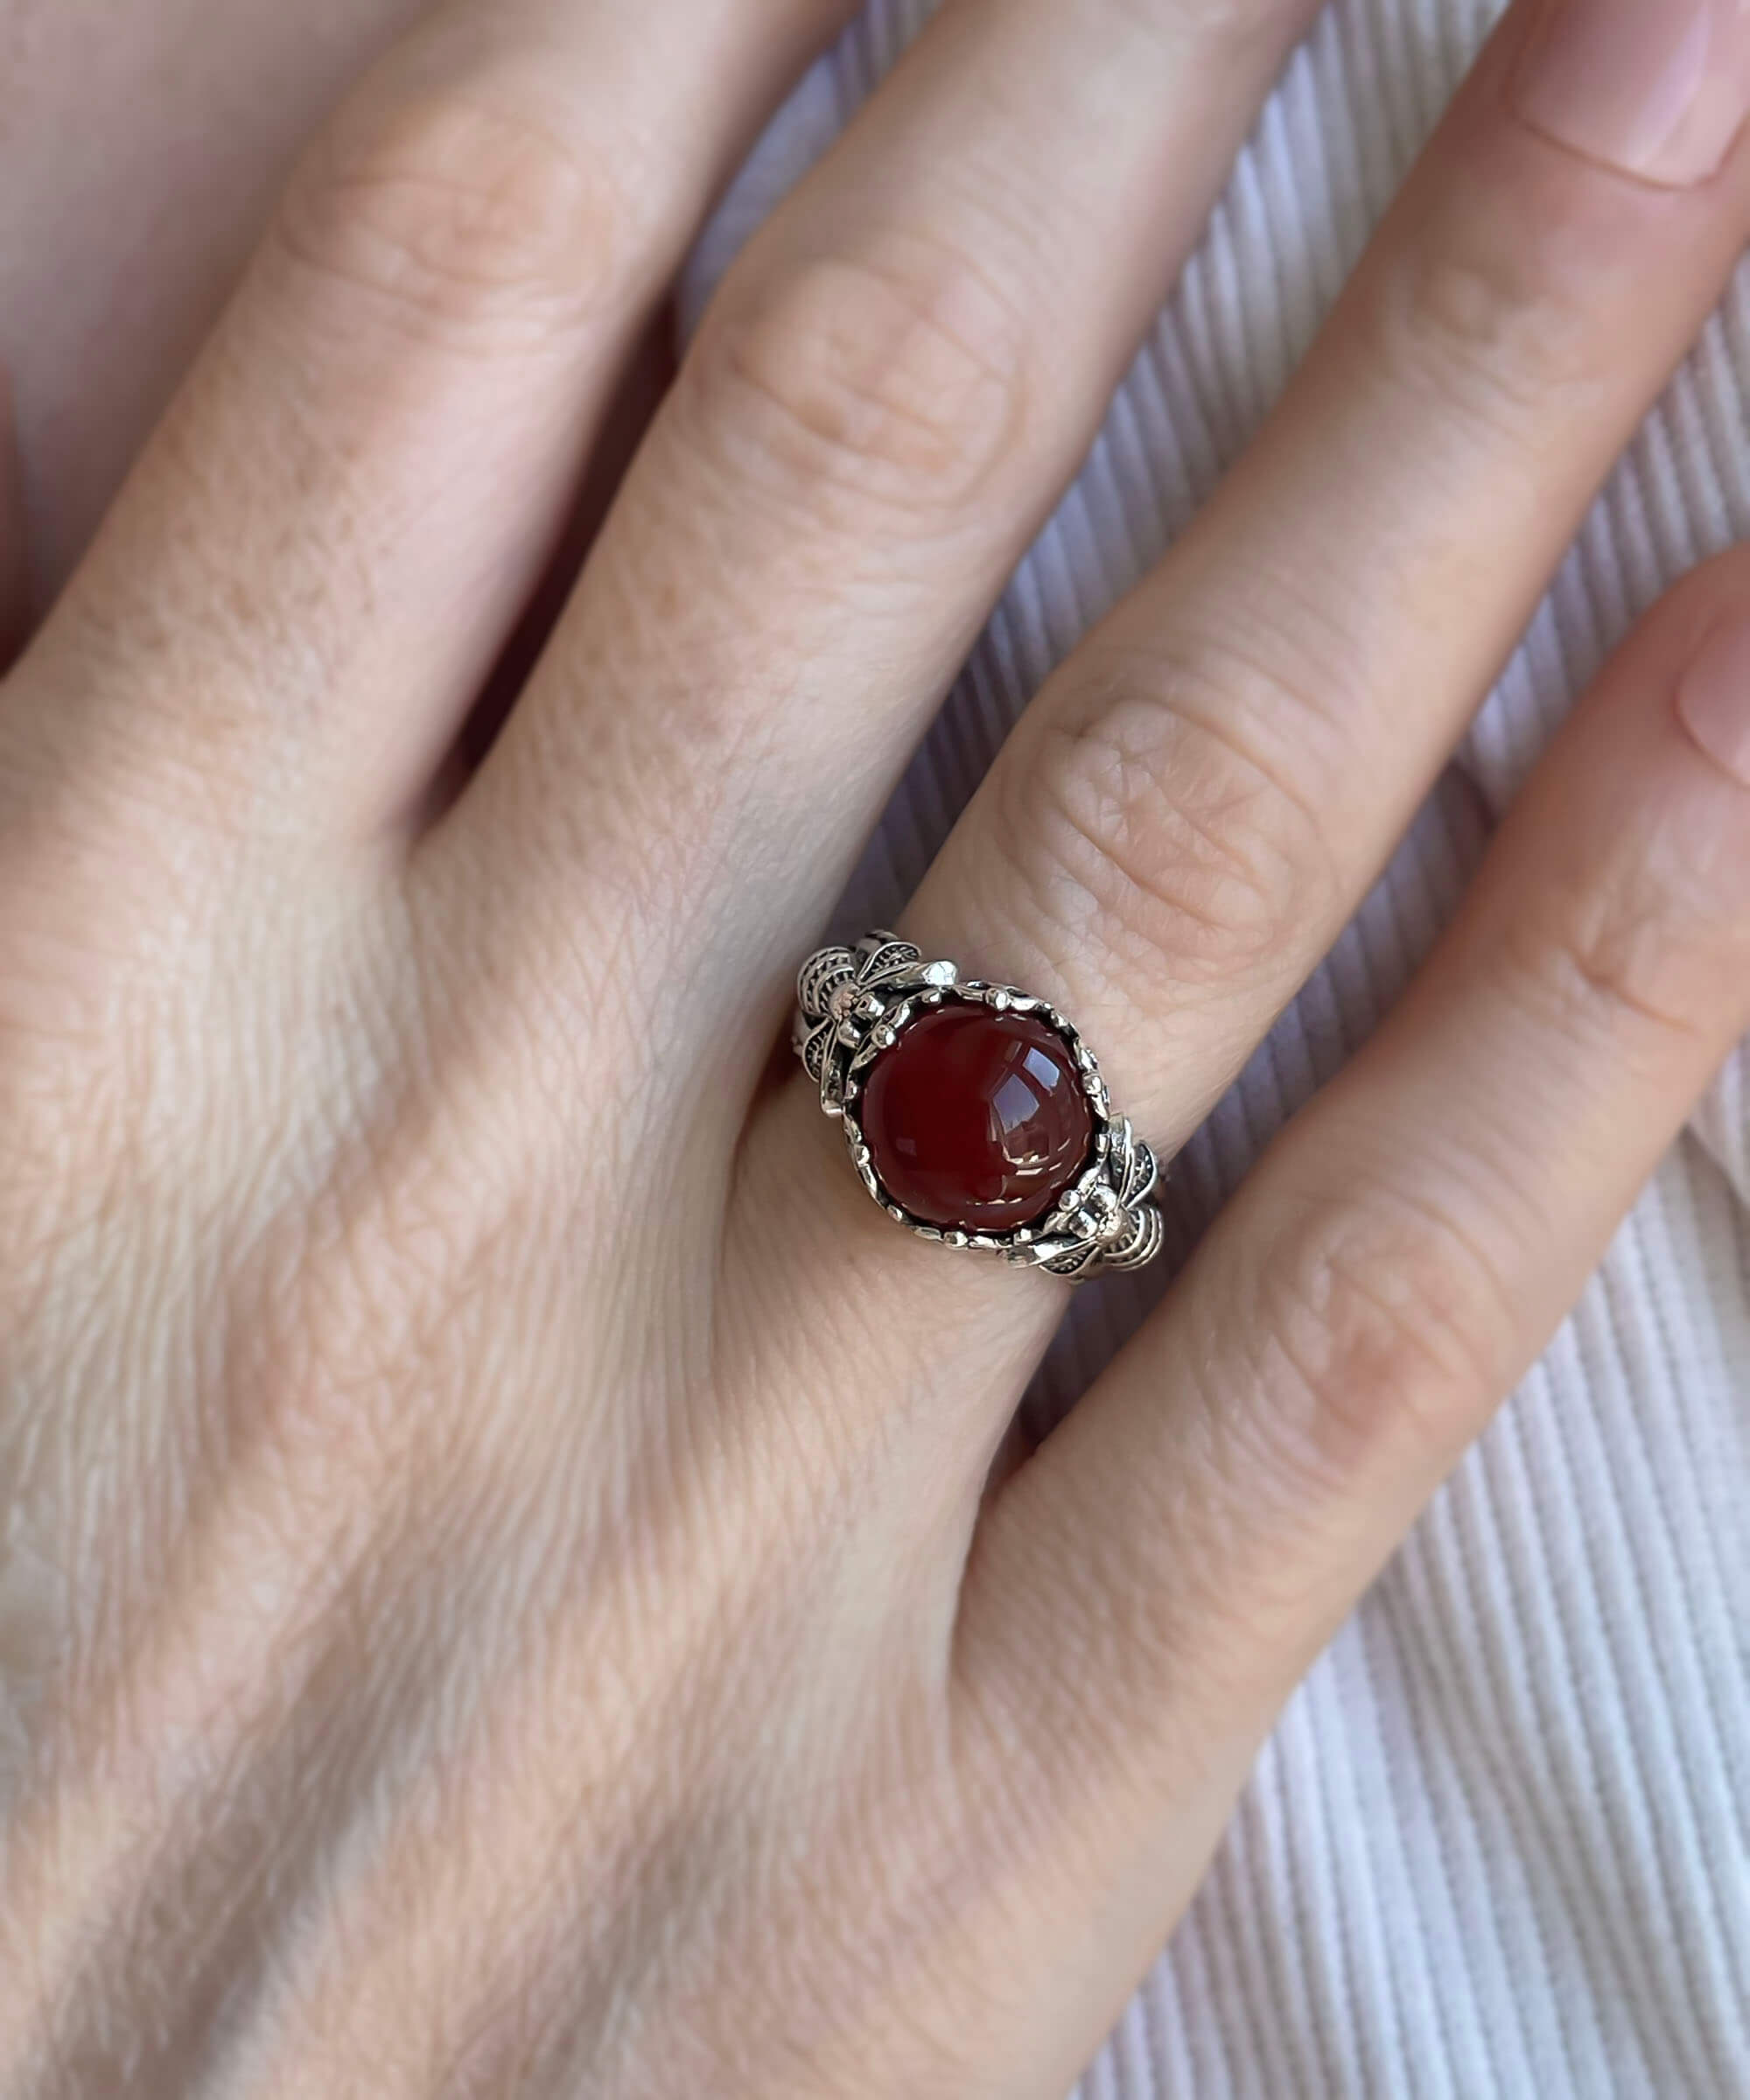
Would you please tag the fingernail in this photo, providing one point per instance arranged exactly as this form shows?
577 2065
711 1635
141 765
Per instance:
1714 697
1659 89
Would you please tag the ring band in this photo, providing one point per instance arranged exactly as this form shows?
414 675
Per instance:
975 1115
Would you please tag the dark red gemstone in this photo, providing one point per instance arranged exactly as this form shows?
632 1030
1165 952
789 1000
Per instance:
977 1119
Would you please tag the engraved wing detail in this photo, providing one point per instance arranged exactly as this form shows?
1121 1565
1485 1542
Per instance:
839 998
1113 1226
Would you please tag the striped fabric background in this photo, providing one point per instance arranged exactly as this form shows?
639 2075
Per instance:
1499 1843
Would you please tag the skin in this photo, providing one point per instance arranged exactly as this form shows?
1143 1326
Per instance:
147 143
501 1590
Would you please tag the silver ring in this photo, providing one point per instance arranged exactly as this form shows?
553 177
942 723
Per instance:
974 1113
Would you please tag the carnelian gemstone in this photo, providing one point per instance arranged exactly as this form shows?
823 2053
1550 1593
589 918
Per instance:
976 1120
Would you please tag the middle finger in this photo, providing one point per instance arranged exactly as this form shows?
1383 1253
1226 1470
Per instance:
893 384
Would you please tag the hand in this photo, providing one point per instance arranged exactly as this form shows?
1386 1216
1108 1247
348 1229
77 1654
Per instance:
500 1594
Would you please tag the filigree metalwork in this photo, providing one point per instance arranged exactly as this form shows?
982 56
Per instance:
854 1003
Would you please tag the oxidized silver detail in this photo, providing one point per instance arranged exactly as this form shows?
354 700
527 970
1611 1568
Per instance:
853 1004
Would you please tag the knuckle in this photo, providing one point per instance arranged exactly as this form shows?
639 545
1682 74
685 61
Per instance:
1145 817
1489 320
459 217
1622 957
896 382
1385 1325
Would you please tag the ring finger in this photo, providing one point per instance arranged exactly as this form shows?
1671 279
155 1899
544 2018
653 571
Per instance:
1196 804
